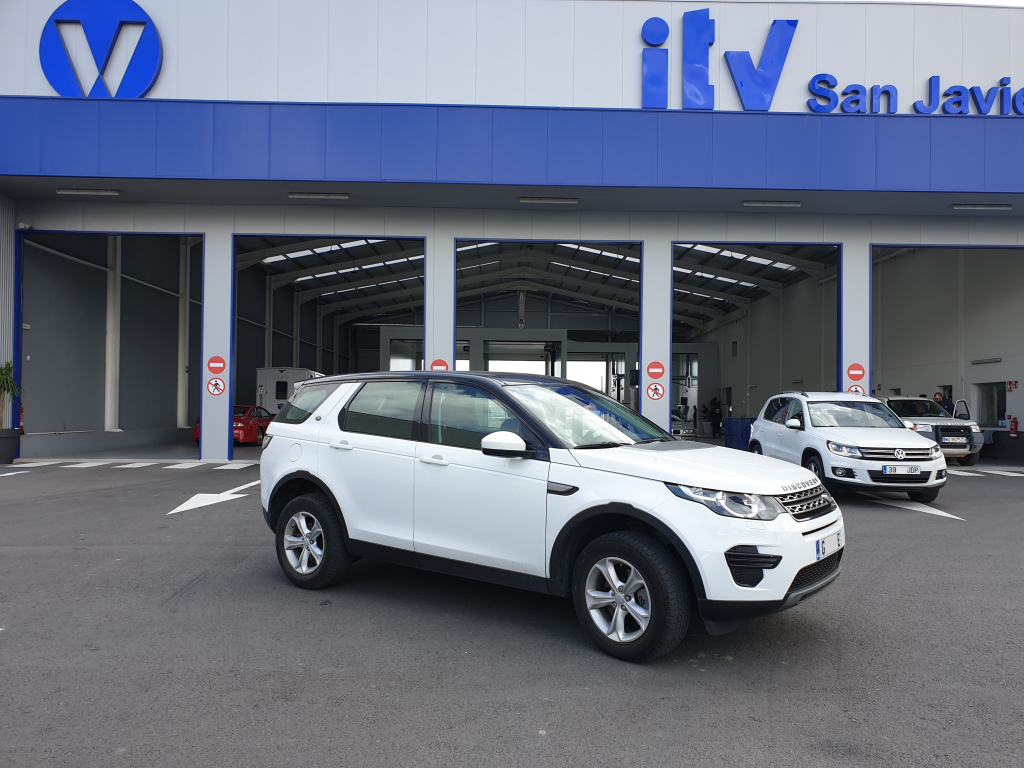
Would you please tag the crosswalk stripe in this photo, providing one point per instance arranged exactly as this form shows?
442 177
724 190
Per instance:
1001 472
234 466
22 472
184 466
86 465
37 464
964 473
136 465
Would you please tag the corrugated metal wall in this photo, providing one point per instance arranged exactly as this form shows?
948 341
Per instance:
6 291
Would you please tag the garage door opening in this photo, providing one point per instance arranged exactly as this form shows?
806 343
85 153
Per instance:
110 344
764 320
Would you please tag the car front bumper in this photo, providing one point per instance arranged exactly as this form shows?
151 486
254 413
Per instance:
868 474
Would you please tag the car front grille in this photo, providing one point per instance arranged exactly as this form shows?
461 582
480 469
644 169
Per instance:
941 432
816 572
889 454
878 477
808 504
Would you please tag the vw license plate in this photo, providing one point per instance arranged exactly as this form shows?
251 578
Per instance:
954 439
827 546
900 470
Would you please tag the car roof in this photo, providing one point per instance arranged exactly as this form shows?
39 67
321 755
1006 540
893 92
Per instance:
499 378
811 396
908 397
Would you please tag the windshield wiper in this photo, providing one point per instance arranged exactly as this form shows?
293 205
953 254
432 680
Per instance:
607 444
654 440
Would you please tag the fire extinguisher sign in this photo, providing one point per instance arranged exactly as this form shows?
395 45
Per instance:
1011 385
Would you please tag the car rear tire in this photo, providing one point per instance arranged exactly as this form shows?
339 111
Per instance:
813 463
755 447
310 545
259 436
924 496
632 596
970 459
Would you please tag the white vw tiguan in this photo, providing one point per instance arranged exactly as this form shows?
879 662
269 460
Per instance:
849 441
546 485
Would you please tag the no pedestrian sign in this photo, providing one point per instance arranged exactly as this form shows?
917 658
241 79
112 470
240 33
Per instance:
856 389
216 364
655 370
655 391
855 372
215 386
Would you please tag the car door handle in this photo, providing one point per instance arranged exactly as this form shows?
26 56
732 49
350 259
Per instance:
342 446
434 460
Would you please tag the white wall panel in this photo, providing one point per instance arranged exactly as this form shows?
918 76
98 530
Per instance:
986 48
945 230
501 52
36 15
799 228
556 225
402 51
889 60
165 17
597 80
604 225
802 63
740 27
252 50
511 225
202 49
938 49
898 230
364 220
703 227
748 227
309 219
259 219
1016 24
352 60
108 217
451 51
159 217
550 52
991 230
634 14
841 48
303 52
14 43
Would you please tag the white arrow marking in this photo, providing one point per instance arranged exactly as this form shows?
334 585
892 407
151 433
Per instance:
964 473
22 472
914 506
206 499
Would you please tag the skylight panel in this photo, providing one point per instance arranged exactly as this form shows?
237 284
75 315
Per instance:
705 249
354 243
758 260
471 247
272 259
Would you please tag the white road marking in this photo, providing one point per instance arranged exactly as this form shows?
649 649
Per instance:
39 464
234 466
86 465
1001 472
22 472
136 465
184 466
206 499
964 473
914 506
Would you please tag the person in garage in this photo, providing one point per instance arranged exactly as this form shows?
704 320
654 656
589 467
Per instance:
716 418
944 402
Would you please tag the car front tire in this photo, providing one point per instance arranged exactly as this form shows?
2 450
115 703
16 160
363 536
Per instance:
755 447
632 596
259 436
970 459
813 463
310 545
924 496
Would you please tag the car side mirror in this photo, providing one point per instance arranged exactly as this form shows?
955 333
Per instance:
508 445
794 424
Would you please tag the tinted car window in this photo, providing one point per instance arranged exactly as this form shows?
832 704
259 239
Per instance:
780 415
773 407
460 416
305 400
910 409
385 408
795 410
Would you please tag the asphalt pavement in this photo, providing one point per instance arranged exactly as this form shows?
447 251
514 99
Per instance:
130 637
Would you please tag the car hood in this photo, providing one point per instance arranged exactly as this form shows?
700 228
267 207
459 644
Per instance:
874 437
697 464
939 420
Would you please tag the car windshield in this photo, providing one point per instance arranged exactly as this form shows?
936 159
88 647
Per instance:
241 410
584 418
918 409
853 413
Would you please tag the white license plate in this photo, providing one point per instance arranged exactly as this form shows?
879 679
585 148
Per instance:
827 546
900 469
954 439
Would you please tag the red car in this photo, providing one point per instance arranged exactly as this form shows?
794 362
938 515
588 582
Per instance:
249 424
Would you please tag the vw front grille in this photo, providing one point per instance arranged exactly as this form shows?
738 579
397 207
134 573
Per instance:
889 454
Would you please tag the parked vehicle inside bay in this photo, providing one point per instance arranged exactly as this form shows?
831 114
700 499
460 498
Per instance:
849 441
248 424
957 434
542 484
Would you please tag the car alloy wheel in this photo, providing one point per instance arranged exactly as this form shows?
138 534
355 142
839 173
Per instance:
618 600
304 543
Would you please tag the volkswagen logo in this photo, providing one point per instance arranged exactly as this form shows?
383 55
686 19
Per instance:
899 453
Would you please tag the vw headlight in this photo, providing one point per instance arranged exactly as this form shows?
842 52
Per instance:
936 452
748 506
975 428
846 451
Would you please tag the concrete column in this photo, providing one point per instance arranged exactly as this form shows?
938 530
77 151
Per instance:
319 339
183 305
439 279
10 320
268 320
657 231
295 332
854 235
112 375
334 347
216 223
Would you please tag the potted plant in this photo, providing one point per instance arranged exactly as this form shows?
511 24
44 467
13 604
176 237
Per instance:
8 437
705 419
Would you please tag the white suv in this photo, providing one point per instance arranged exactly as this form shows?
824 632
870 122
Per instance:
546 485
849 441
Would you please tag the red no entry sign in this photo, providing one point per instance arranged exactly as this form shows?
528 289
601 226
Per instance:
439 365
655 391
855 372
216 364
655 370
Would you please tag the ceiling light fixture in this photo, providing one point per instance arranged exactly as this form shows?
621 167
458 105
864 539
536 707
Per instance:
982 207
318 195
550 200
772 203
96 192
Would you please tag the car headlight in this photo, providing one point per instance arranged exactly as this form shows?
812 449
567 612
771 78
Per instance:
923 428
975 428
237 424
267 439
748 506
846 451
936 452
